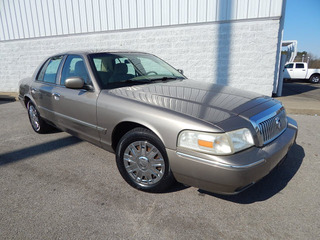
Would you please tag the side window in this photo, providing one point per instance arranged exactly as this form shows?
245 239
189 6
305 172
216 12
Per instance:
299 65
289 65
74 67
50 73
42 71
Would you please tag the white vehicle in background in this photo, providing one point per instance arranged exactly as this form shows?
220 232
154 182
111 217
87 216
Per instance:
300 70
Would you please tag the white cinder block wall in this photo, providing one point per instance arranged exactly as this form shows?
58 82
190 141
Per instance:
240 53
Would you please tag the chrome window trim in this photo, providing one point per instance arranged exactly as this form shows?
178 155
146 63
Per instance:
58 79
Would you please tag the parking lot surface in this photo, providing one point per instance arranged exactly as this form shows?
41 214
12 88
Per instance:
56 186
301 97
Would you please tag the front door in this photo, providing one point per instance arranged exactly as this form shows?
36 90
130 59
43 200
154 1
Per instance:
288 72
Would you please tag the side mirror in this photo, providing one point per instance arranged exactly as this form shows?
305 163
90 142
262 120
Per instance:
180 71
74 83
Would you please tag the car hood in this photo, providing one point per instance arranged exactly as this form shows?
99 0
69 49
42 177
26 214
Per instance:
207 101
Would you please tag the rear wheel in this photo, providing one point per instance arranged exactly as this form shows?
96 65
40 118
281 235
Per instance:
315 78
37 123
143 162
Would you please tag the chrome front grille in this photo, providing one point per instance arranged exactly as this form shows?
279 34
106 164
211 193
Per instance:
273 127
270 123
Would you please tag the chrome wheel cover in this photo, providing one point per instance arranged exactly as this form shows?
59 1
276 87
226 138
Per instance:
144 163
34 118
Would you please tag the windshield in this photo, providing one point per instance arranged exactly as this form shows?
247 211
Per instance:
123 68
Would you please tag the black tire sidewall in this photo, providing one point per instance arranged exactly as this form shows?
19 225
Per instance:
311 78
142 134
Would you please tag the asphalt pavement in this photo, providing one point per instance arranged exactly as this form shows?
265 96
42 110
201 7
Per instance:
301 97
56 186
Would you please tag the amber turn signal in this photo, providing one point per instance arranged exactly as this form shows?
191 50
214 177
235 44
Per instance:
204 143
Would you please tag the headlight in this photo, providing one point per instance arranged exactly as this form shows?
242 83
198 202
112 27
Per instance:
216 143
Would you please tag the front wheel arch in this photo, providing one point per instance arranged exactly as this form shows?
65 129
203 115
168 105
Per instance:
120 130
123 127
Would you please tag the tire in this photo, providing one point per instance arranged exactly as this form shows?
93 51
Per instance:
37 123
143 162
314 78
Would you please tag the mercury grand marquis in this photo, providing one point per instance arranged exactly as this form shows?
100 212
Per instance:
161 126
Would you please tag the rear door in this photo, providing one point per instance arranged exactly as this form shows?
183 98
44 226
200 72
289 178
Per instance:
300 71
75 109
42 87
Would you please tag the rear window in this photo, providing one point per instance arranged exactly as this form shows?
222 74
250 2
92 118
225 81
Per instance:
299 65
42 71
48 72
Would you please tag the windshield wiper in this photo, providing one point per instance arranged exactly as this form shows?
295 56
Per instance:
163 78
148 80
137 80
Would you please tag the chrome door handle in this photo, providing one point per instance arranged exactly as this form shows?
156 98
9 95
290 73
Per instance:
56 96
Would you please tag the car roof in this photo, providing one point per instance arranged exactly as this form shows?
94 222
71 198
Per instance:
90 51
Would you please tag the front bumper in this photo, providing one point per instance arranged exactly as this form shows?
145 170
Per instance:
234 173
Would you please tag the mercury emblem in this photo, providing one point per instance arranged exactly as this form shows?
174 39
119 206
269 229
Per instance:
278 123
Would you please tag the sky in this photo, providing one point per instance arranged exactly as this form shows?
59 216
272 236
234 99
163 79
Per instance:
302 23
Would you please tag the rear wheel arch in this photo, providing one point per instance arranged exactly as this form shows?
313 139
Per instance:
38 124
26 100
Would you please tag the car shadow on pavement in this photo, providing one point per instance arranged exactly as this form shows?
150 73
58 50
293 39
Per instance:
297 87
271 184
28 152
6 99
176 187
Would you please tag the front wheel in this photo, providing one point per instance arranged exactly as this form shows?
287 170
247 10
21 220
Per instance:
314 78
143 162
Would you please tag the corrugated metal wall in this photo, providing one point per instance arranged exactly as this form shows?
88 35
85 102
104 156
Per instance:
20 19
